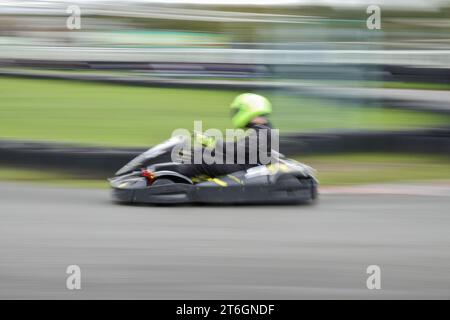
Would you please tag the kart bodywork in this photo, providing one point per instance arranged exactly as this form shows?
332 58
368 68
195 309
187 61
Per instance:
151 178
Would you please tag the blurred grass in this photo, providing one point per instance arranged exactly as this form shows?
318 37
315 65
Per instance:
366 168
108 114
48 177
416 85
351 169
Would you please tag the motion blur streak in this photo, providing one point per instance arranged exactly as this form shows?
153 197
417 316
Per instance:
367 105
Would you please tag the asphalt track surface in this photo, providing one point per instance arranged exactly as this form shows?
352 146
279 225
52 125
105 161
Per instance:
267 252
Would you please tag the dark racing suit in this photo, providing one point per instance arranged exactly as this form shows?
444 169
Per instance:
258 143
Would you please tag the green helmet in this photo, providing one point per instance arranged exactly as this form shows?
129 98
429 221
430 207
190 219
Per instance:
248 106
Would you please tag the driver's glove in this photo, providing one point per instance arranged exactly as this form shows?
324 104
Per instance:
204 140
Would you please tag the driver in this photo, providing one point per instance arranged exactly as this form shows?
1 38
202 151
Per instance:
249 111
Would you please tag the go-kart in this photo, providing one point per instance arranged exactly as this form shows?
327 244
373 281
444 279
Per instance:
151 178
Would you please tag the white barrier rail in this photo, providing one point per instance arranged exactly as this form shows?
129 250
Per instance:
421 58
